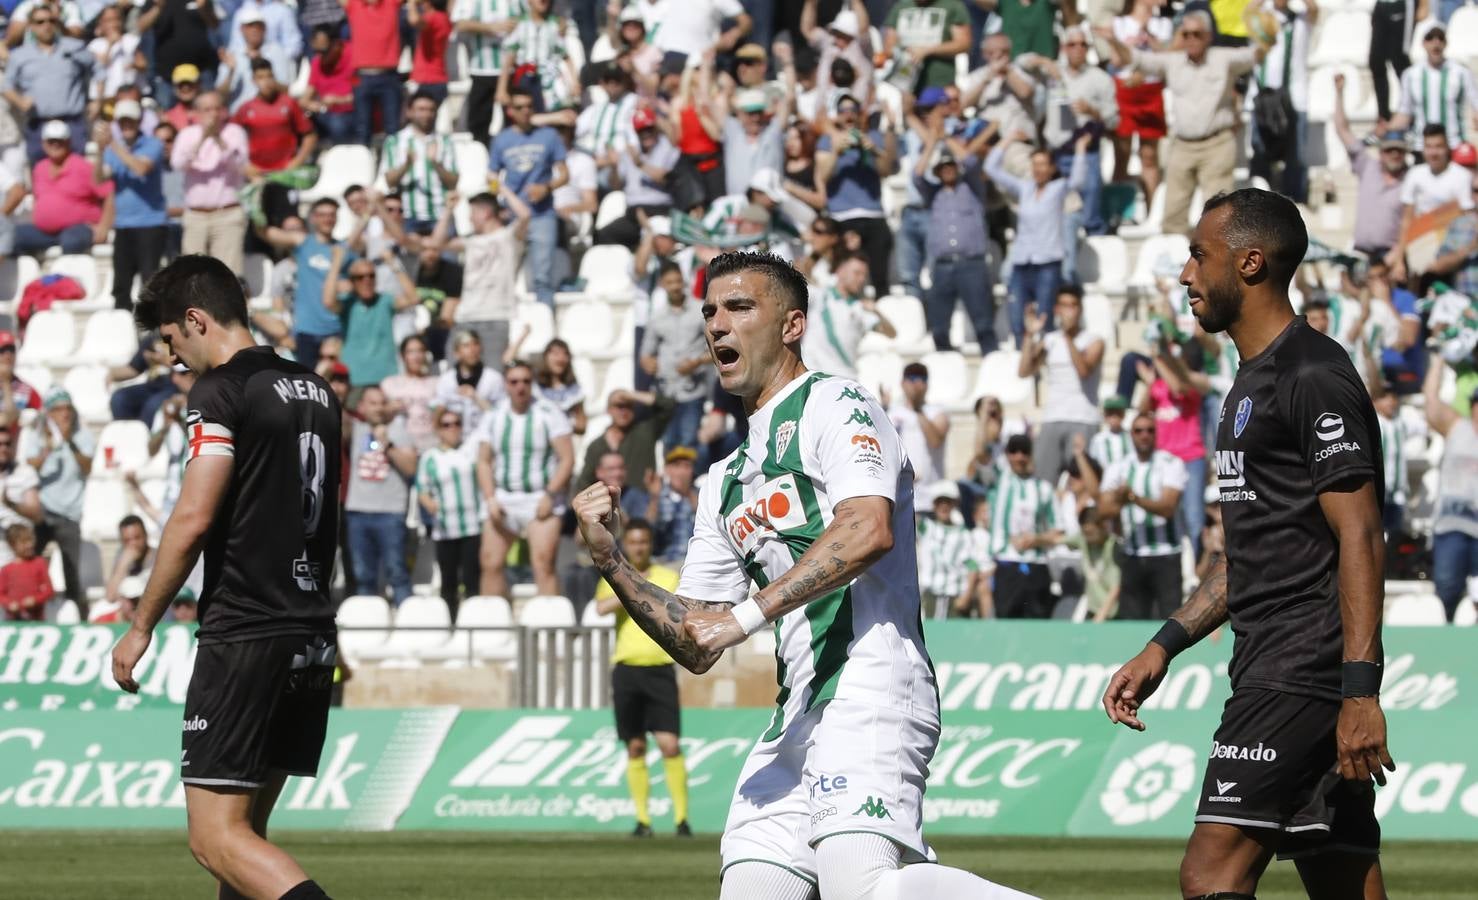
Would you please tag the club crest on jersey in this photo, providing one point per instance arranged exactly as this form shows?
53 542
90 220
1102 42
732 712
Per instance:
774 508
1244 412
783 434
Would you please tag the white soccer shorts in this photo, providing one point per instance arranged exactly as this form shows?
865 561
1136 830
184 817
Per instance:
846 767
520 509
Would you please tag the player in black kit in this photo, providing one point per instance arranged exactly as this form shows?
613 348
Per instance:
260 498
1299 469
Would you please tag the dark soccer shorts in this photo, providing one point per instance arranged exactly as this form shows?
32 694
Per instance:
645 698
257 707
1272 765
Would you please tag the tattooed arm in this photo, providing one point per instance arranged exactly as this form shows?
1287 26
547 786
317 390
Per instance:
1203 613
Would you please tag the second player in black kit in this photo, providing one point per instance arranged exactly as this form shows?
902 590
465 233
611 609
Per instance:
267 638
1296 421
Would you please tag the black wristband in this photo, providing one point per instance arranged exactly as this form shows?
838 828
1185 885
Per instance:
1173 638
1360 678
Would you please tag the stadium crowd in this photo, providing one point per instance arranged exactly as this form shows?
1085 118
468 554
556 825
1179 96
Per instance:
432 182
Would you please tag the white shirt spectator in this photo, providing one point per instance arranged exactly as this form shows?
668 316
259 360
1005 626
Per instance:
928 462
1424 190
115 65
691 26
1444 95
1069 397
490 263
1291 47
835 327
583 177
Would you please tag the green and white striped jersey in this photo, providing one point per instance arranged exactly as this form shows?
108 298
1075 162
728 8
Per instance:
1144 533
1393 456
1020 506
606 124
836 326
450 477
819 441
485 51
523 444
541 45
1109 447
421 190
946 557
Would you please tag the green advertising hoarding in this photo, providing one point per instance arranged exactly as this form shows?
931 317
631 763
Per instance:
56 667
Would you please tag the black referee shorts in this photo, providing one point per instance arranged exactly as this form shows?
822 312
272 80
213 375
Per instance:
1272 765
257 707
645 698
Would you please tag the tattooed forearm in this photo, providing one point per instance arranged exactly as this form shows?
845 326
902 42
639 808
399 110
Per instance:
1206 610
853 541
659 613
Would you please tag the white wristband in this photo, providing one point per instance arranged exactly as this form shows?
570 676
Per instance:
749 616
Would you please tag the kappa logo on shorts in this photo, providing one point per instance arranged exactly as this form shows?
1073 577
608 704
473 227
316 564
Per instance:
195 723
823 815
874 807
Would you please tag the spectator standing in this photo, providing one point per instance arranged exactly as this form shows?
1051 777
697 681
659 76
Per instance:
578 196
674 351
1455 515
947 566
367 315
1391 25
382 461
278 134
482 25
446 485
236 78
468 385
846 36
1379 180
1144 490
20 491
313 251
1393 456
697 118
330 95
182 37
186 82
840 316
753 138
1071 362
70 209
1435 183
1111 442
1175 403
554 382
279 25
535 55
1437 91
922 429
525 460
375 53
529 161
25 581
433 40
119 59
490 259
851 164
1031 24
1457 258
642 170
135 165
693 26
634 441
1140 97
213 155
1285 68
1023 525
412 392
924 37
46 81
420 164
60 450
1005 96
1202 81
956 241
673 499
1038 250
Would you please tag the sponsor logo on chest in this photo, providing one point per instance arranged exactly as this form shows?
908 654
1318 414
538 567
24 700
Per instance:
1231 476
775 507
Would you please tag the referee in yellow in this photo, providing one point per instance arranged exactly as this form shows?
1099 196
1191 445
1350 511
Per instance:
644 689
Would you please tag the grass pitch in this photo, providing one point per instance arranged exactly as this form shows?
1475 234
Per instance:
100 865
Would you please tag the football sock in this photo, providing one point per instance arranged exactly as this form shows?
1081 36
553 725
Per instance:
863 866
753 879
640 785
308 890
941 883
677 785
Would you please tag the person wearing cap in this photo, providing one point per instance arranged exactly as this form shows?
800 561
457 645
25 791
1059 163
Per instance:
846 36
60 449
1433 184
641 169
851 163
627 32
184 35
1437 91
1023 527
69 209
672 507
753 136
420 163
947 564
280 28
952 192
235 75
692 27
135 165
1111 442
186 81
46 81
1378 179
928 35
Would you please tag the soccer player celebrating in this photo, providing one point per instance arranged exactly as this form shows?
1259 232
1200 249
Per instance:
260 498
1299 469
816 509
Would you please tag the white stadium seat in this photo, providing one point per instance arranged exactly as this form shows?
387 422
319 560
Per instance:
998 378
486 612
606 270
588 327
584 371
339 167
109 339
257 273
363 612
1170 248
412 618
1415 609
472 167
38 377
122 447
1343 37
906 315
547 612
104 502
880 372
592 617
620 376
1359 103
1103 263
1098 317
68 613
1462 34
50 338
88 386
948 377
612 207
539 321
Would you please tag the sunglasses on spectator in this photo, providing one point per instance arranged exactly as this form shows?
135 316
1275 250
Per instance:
915 378
518 381
751 62
1074 43
44 20
520 107
1196 34
1143 430
361 276
451 423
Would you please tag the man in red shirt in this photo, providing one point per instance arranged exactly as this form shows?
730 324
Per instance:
374 35
279 135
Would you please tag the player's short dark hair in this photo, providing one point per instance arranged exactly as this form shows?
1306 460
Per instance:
1019 443
784 279
1070 289
129 521
259 64
639 524
1434 129
423 94
194 281
1268 221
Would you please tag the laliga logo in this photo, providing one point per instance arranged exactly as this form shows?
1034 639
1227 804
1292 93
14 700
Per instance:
1329 427
1147 785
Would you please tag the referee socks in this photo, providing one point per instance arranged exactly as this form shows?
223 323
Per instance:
308 890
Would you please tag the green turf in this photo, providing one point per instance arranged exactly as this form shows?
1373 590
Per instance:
99 865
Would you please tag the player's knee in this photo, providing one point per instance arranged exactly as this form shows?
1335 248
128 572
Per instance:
636 748
1208 882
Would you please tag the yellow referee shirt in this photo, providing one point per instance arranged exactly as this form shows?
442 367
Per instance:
633 646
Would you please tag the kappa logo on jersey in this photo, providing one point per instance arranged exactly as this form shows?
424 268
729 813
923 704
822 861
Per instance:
783 433
1231 476
1244 412
861 417
776 507
1329 427
852 394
